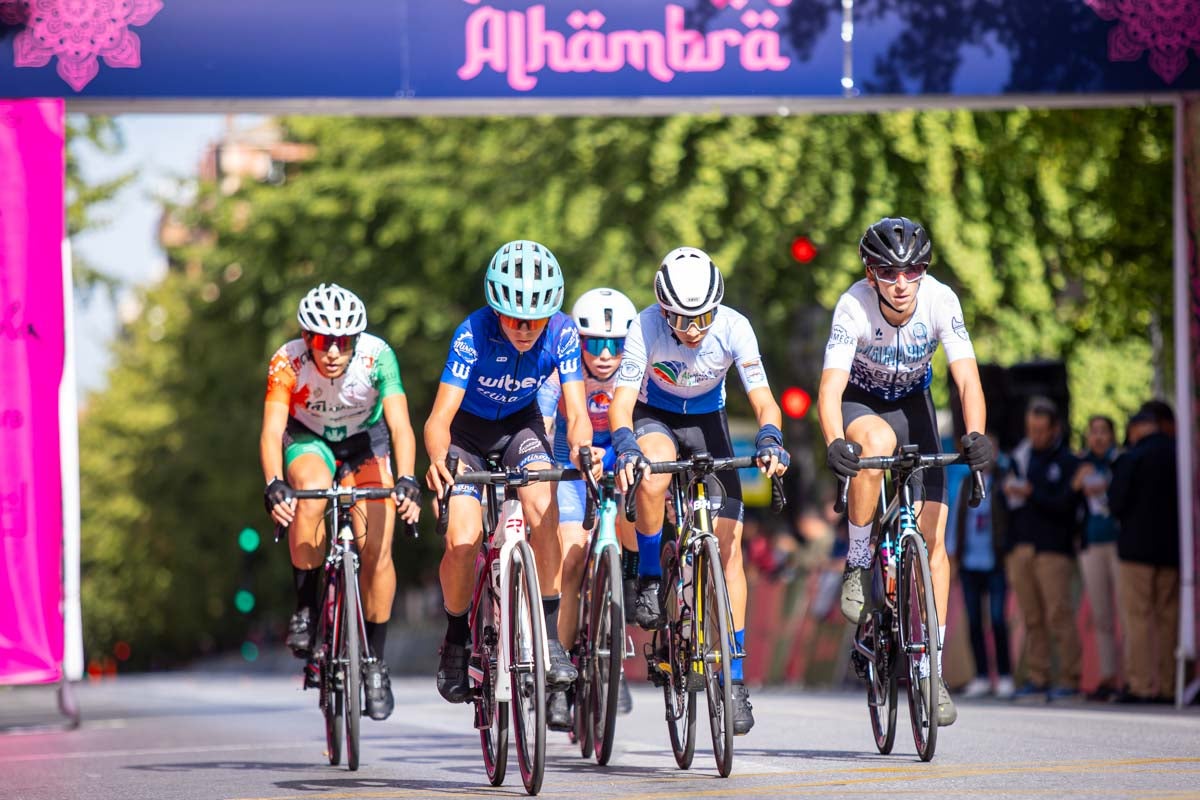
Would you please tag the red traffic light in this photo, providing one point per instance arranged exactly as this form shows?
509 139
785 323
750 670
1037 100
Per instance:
803 250
796 402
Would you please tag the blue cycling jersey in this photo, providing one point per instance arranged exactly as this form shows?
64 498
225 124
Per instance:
500 380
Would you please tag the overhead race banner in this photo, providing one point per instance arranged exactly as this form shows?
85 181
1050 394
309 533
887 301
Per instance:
462 49
31 350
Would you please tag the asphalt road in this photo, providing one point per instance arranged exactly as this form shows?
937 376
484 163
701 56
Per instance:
212 735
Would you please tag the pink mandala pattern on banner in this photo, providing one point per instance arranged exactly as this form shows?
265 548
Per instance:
79 33
1166 28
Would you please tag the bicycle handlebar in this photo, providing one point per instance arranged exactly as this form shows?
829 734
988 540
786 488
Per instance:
910 463
354 493
500 477
701 464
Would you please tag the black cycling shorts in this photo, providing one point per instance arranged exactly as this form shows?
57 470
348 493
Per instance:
913 419
693 433
520 439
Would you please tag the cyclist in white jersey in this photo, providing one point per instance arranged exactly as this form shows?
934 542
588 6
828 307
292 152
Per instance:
335 394
670 401
603 317
875 393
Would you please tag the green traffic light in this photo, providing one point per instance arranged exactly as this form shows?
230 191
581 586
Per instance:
249 540
244 601
250 651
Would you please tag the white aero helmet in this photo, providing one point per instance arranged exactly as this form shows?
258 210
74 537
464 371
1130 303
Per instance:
688 282
603 312
333 311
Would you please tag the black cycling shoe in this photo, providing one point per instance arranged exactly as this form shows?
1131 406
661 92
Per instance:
647 610
452 682
624 698
743 712
558 713
378 684
631 592
300 633
562 672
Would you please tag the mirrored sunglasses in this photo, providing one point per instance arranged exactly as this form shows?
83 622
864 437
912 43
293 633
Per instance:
912 273
681 322
596 345
514 324
325 342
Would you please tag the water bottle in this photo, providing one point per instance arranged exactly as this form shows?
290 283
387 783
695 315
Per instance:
889 572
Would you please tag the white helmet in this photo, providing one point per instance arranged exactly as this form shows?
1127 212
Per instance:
688 282
333 311
603 312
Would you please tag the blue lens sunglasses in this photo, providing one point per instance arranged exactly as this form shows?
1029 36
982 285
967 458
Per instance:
596 345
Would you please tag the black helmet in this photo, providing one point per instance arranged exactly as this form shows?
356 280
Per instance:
895 242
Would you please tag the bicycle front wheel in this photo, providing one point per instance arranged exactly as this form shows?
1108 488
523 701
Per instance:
491 716
919 637
330 695
526 648
352 655
713 648
607 642
674 657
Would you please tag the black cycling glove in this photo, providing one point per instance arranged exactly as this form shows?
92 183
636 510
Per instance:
277 492
842 457
977 450
407 487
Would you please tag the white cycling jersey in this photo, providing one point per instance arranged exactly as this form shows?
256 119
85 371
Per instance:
892 362
689 380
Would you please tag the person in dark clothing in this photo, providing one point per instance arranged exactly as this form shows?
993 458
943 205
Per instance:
1143 496
979 548
1048 521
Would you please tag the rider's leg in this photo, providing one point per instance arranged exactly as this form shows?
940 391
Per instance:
876 438
374 525
932 517
306 544
464 533
651 496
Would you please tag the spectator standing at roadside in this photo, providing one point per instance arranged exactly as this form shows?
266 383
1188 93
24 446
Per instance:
1098 559
1048 522
979 548
1143 497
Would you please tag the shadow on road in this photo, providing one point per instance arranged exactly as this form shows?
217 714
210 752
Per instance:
426 787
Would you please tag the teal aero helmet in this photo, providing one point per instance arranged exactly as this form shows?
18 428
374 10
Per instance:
524 281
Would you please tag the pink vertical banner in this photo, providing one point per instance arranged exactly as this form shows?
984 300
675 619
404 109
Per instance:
32 227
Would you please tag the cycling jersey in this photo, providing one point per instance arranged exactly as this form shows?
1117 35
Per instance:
598 394
892 362
499 379
689 380
335 408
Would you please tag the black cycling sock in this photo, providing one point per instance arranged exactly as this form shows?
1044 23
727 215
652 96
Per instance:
550 609
629 565
458 629
307 583
377 638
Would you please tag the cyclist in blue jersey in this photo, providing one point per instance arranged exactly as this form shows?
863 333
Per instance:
603 317
486 403
875 393
670 401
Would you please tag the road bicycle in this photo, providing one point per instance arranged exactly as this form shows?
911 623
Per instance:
601 645
898 640
341 652
509 655
695 648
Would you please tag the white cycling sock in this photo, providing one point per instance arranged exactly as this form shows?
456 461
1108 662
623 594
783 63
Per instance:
941 647
859 554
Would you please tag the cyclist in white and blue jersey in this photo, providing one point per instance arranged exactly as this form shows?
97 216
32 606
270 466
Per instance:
486 403
875 393
670 402
603 317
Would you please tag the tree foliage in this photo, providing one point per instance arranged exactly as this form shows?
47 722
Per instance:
1053 227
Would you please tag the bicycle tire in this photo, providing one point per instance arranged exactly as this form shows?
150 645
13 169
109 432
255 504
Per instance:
918 628
581 733
526 648
352 680
882 685
607 651
680 700
329 697
715 654
493 739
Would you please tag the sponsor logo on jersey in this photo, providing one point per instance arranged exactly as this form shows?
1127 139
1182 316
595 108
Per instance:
839 335
510 384
960 328
501 359
460 370
753 370
878 333
335 434
920 331
598 402
676 373
529 445
568 342
631 370
569 366
464 347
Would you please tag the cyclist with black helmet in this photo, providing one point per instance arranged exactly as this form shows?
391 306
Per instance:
487 402
335 394
874 394
670 401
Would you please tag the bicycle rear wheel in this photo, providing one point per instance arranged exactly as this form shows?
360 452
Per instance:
526 648
491 716
882 689
352 654
672 650
714 651
919 636
607 642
